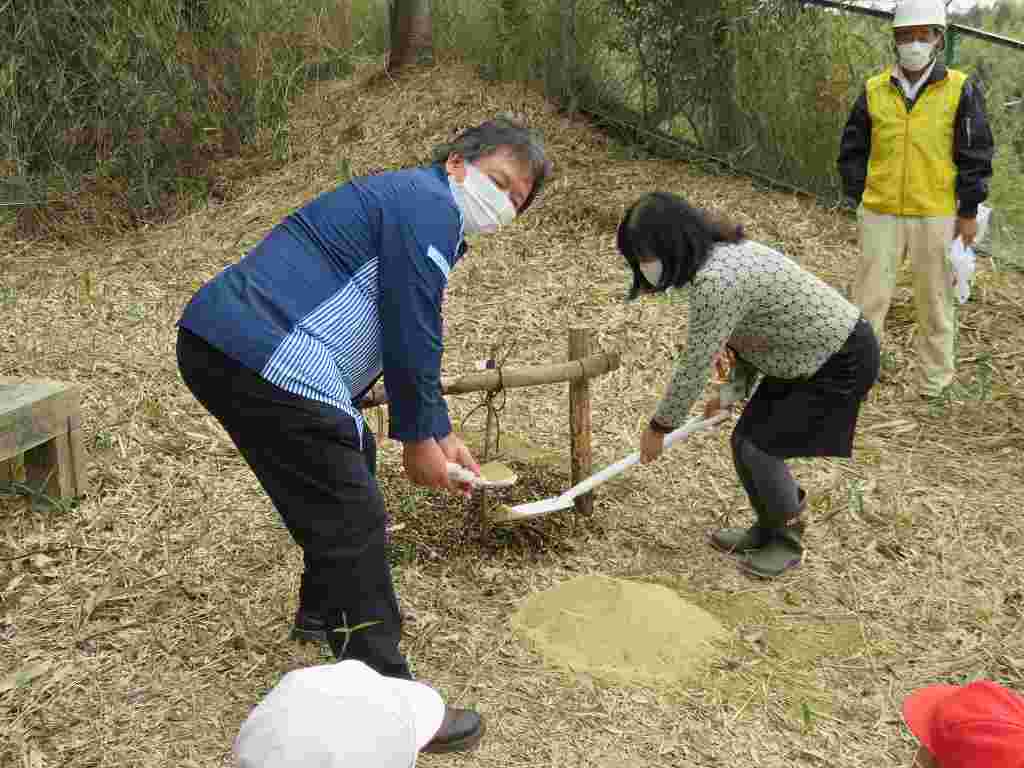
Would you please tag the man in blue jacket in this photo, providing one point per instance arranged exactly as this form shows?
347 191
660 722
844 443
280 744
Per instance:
281 346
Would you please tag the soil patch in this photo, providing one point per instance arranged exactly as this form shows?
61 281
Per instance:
620 630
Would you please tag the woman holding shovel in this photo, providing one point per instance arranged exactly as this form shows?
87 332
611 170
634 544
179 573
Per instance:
755 308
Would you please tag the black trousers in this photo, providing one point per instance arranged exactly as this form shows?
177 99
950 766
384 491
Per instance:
816 416
308 459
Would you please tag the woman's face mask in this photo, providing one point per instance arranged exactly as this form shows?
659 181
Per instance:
485 207
652 271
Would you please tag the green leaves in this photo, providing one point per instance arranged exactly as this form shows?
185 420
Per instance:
150 93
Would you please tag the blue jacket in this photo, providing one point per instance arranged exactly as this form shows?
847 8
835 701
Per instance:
346 288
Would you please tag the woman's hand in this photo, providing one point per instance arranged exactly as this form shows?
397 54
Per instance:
651 445
722 364
713 406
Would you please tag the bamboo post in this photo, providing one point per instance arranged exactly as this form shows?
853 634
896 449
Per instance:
587 368
579 420
488 427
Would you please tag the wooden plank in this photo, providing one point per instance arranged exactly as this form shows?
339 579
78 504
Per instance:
40 420
48 468
580 421
33 412
15 394
13 470
78 462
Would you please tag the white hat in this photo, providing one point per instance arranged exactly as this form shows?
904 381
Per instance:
919 13
335 715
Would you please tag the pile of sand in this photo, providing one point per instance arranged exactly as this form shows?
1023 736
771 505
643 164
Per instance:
621 630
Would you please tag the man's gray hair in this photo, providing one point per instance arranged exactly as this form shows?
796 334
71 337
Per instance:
497 134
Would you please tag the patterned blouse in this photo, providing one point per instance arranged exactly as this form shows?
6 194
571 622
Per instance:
778 318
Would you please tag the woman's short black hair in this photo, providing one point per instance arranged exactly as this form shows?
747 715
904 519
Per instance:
665 226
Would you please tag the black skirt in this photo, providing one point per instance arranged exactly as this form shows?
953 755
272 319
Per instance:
816 416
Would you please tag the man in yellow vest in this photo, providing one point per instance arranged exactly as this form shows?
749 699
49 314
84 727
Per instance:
916 154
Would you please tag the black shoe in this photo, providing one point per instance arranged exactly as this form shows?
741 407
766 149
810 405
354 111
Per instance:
460 731
309 628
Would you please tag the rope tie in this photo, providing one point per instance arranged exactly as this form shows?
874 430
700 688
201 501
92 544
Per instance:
488 404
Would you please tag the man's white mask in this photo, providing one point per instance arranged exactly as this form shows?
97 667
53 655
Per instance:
651 271
484 207
915 56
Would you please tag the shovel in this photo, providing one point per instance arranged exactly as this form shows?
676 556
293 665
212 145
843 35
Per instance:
493 475
505 514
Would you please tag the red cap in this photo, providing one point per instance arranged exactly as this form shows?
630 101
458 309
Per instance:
980 725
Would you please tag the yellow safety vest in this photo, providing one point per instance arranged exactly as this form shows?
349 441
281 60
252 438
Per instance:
911 170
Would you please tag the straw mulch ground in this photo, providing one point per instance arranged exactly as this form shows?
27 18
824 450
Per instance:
140 626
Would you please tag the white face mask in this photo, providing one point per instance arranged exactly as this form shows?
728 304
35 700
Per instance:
651 271
914 57
485 207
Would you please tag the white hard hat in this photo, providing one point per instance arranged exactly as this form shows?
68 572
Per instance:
920 13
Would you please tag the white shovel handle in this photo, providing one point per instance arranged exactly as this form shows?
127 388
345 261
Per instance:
459 474
693 425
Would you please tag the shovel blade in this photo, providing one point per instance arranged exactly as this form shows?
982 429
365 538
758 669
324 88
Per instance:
519 512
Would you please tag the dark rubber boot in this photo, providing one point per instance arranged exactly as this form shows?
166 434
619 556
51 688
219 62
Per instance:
782 552
740 540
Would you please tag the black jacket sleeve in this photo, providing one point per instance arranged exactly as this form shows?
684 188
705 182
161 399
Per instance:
973 148
855 148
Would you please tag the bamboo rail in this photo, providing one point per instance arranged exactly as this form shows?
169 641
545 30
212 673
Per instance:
485 381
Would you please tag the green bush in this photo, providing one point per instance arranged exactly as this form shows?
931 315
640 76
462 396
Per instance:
998 68
765 86
145 94
522 39
370 31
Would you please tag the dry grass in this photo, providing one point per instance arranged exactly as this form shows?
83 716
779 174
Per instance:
142 624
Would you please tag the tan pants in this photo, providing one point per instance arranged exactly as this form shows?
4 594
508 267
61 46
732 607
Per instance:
885 240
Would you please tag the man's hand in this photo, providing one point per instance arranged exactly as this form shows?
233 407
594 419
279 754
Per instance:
651 445
967 229
426 464
456 451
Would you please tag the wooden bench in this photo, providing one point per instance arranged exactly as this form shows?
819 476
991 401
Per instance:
40 421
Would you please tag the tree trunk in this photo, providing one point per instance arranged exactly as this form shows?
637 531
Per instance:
412 35
568 45
726 132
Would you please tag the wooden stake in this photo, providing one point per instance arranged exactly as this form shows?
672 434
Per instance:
579 420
